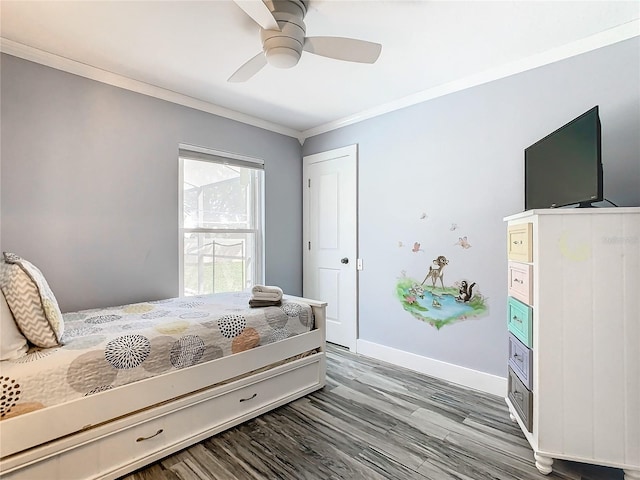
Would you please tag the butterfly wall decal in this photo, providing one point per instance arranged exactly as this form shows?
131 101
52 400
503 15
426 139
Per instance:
462 241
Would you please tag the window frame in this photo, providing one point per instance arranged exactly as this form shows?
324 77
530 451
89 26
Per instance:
197 153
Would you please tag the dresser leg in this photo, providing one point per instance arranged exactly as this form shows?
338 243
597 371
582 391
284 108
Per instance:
543 464
631 474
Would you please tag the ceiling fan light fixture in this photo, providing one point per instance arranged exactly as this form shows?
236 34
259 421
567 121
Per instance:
282 57
281 50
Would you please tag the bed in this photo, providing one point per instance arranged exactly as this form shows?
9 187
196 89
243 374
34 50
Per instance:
129 385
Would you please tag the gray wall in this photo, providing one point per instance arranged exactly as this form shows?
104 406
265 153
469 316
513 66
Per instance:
459 159
89 189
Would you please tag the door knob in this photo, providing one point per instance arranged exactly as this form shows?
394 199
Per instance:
345 260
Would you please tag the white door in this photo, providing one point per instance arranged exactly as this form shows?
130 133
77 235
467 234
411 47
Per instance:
330 239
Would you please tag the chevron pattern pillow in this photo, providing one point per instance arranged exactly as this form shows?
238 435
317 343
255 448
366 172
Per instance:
31 301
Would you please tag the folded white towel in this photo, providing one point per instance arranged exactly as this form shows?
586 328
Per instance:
266 289
266 292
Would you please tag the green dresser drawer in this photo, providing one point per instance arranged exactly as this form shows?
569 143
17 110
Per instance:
520 321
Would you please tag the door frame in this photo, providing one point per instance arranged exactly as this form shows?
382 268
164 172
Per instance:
346 151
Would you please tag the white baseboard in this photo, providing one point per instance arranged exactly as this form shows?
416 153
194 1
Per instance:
466 377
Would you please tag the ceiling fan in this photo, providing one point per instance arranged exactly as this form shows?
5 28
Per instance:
283 31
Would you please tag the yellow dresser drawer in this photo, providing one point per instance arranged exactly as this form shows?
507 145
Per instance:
520 242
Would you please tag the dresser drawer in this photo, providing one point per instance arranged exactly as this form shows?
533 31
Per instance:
521 399
521 282
521 361
520 242
520 321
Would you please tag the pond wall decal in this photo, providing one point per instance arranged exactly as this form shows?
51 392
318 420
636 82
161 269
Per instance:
436 303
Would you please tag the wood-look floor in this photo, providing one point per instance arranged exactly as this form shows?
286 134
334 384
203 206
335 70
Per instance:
372 421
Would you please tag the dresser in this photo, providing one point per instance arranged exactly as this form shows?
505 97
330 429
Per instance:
573 311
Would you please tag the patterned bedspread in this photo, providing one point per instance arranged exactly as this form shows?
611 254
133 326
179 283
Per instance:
106 348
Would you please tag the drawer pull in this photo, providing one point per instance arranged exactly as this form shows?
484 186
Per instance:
517 280
250 398
518 395
141 439
517 319
517 357
517 242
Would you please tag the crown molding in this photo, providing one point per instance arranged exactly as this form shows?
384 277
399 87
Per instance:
593 42
77 68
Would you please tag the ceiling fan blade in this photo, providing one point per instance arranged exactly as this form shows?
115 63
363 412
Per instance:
348 49
259 12
249 69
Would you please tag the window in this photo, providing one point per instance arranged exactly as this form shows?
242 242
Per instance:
220 221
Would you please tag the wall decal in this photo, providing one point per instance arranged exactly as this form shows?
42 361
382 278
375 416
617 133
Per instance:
465 291
454 226
434 302
416 248
462 241
424 216
572 249
437 273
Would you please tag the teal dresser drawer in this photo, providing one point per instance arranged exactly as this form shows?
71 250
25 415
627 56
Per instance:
520 321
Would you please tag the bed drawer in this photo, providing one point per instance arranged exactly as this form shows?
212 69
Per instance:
520 242
212 415
520 282
140 443
521 361
520 321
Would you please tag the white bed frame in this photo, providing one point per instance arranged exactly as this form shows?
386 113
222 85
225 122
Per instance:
109 434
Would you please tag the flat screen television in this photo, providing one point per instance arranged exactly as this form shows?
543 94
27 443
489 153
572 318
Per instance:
565 167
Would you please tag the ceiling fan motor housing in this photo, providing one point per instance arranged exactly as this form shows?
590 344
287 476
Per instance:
283 48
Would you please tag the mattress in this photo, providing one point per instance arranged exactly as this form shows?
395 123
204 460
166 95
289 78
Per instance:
107 348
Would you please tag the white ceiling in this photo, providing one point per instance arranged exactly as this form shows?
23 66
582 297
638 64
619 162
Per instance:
192 47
